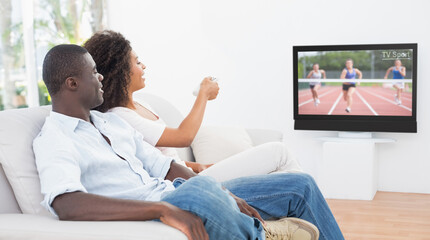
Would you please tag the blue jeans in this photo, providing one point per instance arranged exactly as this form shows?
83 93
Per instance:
273 196
287 195
221 216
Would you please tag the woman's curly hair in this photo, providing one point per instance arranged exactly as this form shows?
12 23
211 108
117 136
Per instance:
111 52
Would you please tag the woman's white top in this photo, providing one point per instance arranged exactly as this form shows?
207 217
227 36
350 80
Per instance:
150 129
315 75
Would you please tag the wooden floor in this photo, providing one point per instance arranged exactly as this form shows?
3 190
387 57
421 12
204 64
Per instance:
389 216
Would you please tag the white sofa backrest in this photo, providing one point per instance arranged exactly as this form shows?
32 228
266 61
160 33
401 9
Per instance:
18 127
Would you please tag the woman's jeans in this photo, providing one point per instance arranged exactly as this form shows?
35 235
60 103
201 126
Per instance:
273 196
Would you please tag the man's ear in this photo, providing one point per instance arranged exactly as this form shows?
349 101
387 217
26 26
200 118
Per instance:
71 83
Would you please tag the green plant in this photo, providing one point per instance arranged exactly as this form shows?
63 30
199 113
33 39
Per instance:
1 101
65 20
44 97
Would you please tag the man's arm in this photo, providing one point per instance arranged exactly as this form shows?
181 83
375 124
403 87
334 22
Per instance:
80 206
177 170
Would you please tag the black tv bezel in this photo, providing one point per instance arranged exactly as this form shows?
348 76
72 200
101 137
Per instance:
356 122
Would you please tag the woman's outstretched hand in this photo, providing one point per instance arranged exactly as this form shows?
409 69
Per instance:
209 88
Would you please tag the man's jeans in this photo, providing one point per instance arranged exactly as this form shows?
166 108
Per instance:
273 195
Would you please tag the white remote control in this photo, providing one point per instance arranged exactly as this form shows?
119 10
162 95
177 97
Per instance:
197 89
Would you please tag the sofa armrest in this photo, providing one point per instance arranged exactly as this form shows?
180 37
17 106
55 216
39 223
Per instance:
260 136
27 226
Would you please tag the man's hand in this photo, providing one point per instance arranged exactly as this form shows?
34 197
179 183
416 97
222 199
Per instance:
186 222
209 88
176 170
246 209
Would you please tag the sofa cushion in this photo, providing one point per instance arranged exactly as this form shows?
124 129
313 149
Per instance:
18 128
8 202
213 144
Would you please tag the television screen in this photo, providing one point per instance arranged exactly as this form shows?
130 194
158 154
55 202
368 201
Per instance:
355 87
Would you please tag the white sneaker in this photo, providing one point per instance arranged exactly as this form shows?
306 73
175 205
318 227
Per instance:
348 109
397 100
291 229
316 102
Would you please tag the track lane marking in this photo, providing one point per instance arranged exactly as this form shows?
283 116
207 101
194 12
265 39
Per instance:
320 96
386 99
335 104
367 104
383 92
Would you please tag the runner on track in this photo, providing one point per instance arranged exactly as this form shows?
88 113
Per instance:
316 73
348 88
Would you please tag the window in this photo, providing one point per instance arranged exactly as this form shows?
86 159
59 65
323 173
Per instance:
28 30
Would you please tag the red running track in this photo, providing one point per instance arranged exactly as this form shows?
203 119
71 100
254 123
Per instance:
369 100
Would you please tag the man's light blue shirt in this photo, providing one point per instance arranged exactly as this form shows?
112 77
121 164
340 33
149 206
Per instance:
72 155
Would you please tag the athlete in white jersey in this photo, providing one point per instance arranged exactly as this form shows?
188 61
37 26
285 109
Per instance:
316 73
399 73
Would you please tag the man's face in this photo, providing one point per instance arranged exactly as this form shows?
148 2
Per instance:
90 86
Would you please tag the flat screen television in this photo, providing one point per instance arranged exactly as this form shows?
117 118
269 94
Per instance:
367 88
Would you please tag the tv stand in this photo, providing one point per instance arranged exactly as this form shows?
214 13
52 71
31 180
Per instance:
349 166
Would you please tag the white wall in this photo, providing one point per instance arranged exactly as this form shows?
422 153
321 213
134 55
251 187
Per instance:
247 44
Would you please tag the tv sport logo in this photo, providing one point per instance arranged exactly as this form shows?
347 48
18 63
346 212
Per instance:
394 54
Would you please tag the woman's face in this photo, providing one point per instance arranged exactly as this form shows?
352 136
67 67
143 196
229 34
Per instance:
398 63
136 75
349 64
316 67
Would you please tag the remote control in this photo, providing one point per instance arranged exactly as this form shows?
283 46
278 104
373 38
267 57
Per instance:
197 89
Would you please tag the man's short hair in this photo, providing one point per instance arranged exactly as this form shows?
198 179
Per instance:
61 62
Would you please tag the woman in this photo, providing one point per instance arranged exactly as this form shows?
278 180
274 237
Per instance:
348 88
316 73
123 75
399 72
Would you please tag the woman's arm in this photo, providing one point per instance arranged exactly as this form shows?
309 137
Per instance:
403 71
343 74
184 135
388 72
310 74
360 75
323 73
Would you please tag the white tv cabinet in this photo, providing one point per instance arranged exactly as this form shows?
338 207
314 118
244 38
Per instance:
349 166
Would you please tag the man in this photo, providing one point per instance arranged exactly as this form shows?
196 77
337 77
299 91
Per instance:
94 166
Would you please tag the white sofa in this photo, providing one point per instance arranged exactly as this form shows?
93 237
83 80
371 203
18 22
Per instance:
21 215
